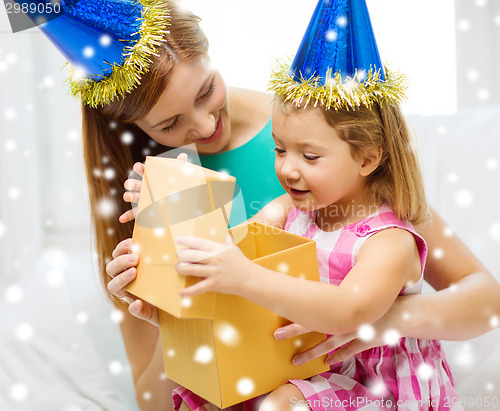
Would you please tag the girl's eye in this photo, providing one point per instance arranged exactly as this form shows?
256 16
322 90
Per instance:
170 127
279 150
310 158
209 91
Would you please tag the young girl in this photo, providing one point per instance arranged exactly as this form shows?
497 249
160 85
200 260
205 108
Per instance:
356 189
348 165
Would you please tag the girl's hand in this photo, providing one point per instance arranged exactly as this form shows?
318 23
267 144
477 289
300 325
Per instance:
223 266
123 270
345 346
133 187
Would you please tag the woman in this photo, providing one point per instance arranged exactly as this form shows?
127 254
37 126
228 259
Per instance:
183 100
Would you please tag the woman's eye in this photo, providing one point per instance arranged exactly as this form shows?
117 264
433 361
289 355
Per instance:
310 158
278 150
170 127
208 92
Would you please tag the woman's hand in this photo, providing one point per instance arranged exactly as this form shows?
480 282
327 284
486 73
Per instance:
382 332
133 187
123 270
222 266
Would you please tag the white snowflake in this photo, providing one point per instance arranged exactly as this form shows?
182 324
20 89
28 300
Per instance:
2 229
14 294
19 392
24 331
481 3
228 334
88 51
106 207
159 232
82 317
473 75
438 253
492 163
452 177
342 21
425 371
331 35
186 302
147 396
127 138
14 193
10 146
494 321
495 231
116 316
245 386
464 25
391 337
203 354
448 232
109 173
465 356
366 332
55 277
72 135
464 198
483 94
283 268
105 40
10 114
115 367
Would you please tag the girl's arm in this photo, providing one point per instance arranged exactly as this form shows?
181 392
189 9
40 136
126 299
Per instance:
467 304
274 213
385 264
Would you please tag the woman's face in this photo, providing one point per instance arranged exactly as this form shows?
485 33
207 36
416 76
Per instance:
192 109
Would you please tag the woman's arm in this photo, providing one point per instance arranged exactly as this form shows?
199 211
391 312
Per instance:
466 305
141 336
469 296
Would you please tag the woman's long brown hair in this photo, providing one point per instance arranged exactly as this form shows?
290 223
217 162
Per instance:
112 142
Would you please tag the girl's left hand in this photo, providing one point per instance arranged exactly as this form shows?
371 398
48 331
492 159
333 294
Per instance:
223 266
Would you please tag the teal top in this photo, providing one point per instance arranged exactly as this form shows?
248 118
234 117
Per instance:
253 166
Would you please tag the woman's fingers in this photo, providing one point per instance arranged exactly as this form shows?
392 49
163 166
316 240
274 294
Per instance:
289 331
182 157
324 347
123 247
127 216
347 351
139 168
116 285
121 263
144 311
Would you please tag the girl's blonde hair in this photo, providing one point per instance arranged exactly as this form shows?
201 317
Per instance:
104 128
397 180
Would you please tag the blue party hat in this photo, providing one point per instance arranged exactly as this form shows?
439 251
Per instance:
338 64
109 43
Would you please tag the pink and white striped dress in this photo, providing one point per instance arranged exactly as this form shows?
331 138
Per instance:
410 375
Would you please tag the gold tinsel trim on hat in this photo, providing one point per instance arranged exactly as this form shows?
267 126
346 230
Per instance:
101 90
350 93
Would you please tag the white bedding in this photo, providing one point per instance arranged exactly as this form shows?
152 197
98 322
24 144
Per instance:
48 362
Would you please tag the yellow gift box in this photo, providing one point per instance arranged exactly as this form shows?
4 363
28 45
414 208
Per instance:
219 346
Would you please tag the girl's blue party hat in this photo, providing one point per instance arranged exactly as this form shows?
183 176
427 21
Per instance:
338 64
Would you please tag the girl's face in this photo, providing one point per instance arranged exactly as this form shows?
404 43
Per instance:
313 164
192 109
